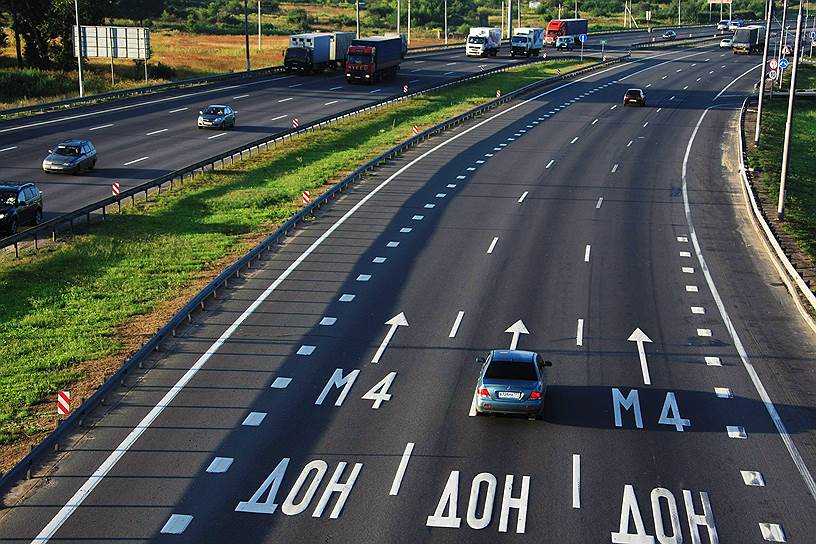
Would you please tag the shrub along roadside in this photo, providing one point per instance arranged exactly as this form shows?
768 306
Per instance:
79 307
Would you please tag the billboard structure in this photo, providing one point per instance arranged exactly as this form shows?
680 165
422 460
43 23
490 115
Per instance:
720 2
113 42
117 42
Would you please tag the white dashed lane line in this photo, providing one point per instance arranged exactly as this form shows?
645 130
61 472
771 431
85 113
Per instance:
492 245
8 148
615 168
456 323
550 164
574 140
178 110
285 99
579 333
104 126
279 117
332 102
522 197
374 91
295 85
586 253
216 136
336 88
135 161
157 131
240 96
599 204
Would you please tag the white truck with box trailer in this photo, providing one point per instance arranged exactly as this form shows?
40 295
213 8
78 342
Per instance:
483 41
339 48
527 41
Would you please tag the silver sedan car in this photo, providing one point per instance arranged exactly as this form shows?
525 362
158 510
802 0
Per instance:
512 382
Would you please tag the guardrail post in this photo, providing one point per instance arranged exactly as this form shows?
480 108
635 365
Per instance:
16 250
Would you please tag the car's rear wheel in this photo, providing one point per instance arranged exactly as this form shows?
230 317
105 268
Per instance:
38 217
13 226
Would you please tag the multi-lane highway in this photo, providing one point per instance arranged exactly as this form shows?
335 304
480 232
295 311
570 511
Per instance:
143 138
329 397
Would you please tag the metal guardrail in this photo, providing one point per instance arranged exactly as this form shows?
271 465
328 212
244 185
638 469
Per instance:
197 302
788 270
54 226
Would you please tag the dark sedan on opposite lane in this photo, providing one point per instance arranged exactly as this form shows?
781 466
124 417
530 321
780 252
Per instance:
20 204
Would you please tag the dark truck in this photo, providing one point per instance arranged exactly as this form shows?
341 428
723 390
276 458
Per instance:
748 40
372 59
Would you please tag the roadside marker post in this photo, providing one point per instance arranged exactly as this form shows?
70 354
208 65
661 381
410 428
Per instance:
498 93
115 188
415 129
405 88
307 197
63 403
295 123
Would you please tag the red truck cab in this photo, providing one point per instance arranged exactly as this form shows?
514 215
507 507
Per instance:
360 62
555 28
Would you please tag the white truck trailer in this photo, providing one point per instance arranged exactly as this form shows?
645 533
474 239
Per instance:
483 41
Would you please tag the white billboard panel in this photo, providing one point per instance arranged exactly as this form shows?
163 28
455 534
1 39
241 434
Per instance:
118 42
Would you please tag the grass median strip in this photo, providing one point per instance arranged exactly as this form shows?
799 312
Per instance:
74 310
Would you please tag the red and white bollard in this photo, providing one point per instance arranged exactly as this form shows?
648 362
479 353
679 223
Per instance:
405 88
498 93
295 123
307 198
115 189
415 129
63 403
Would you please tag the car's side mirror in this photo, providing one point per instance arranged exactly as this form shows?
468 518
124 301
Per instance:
547 363
201 112
50 151
480 360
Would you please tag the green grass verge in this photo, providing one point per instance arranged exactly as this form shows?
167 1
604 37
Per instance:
800 210
70 303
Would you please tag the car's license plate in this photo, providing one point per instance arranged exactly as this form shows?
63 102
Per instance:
508 395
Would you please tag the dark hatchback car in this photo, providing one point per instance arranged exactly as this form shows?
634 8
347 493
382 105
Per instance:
222 117
20 204
634 96
71 157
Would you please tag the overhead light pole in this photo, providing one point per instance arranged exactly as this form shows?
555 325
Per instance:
259 25
789 123
246 32
446 22
763 75
398 16
678 12
79 48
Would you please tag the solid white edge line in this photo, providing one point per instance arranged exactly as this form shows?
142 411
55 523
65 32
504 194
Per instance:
746 363
456 323
107 465
406 456
576 480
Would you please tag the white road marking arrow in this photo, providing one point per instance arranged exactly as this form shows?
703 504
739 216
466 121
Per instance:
396 321
639 337
517 329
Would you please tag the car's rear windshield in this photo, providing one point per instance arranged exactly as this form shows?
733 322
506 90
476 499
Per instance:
511 370
69 150
9 198
633 92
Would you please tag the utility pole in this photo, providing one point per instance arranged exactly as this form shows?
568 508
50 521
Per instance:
678 12
398 16
501 3
559 10
259 25
518 14
79 49
782 40
357 8
576 9
509 18
763 75
789 123
409 22
246 32
446 22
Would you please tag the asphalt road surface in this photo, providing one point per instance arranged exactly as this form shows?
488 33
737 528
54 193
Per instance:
143 138
268 421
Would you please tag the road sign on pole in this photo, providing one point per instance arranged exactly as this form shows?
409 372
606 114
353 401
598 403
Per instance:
773 64
772 74
582 37
63 402
783 64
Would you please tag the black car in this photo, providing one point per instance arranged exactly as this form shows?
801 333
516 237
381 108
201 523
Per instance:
669 35
71 157
20 204
222 117
634 96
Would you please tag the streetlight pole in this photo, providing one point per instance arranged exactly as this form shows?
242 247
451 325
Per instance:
678 12
79 49
357 8
782 39
259 25
789 123
409 22
246 32
763 75
509 18
398 16
446 22
576 9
